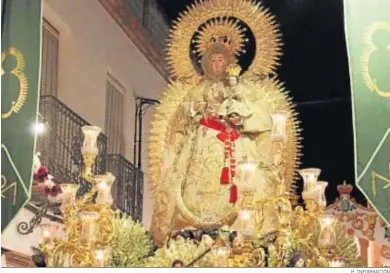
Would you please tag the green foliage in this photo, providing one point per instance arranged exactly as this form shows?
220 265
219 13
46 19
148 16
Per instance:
130 244
184 250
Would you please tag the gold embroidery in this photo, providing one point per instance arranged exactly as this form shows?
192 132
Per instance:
374 177
372 83
5 188
18 72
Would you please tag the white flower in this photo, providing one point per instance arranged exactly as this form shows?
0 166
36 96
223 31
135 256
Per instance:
36 162
49 182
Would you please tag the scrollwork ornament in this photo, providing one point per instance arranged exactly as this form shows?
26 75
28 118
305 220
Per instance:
25 228
370 48
18 72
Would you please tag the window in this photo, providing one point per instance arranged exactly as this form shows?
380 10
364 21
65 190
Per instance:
49 62
114 116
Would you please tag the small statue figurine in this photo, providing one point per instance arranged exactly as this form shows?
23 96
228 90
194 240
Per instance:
233 109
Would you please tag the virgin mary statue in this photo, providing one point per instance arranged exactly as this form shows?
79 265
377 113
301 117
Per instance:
211 137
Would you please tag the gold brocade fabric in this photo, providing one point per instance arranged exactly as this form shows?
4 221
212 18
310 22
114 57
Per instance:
191 194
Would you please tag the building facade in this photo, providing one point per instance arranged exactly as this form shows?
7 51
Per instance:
97 58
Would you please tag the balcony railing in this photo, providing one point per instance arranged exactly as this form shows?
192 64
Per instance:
128 186
152 18
60 148
60 145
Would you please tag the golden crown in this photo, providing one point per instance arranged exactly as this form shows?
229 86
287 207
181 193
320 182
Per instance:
222 31
233 70
223 22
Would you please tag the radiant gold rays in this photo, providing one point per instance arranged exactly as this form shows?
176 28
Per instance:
220 19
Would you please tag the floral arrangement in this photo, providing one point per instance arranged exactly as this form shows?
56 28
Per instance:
184 250
130 243
43 181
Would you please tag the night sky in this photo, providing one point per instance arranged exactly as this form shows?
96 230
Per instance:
315 68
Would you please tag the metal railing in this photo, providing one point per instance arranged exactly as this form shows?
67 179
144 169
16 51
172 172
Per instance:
60 145
128 185
60 148
152 18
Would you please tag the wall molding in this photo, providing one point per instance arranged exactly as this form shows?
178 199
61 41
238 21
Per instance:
137 34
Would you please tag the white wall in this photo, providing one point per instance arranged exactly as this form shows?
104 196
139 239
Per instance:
91 44
12 240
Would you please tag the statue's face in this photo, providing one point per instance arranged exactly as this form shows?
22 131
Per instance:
232 81
218 63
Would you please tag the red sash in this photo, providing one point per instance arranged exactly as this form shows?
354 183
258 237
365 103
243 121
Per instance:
227 135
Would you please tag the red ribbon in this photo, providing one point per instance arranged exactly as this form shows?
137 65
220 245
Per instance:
215 124
233 194
227 135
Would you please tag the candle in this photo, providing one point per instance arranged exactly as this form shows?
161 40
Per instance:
279 121
88 232
310 177
321 198
247 174
69 191
245 223
47 233
104 184
91 134
327 236
99 257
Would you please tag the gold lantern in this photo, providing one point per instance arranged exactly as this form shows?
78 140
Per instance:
321 198
47 233
88 234
101 255
90 149
68 195
279 121
104 184
310 177
246 174
327 235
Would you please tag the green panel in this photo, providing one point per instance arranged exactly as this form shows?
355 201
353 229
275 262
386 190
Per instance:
367 26
20 77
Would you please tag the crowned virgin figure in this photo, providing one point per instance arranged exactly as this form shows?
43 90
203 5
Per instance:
210 126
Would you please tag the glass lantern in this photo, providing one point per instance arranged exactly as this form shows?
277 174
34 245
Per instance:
310 177
327 236
104 184
222 253
47 233
101 255
321 187
245 224
91 134
247 174
89 227
90 149
279 121
69 192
